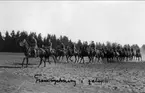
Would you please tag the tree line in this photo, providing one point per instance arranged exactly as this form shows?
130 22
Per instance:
10 41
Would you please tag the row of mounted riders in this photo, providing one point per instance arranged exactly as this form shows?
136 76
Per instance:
91 53
110 54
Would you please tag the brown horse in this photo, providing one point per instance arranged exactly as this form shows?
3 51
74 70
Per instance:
28 52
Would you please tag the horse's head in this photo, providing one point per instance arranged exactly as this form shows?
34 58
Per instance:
22 43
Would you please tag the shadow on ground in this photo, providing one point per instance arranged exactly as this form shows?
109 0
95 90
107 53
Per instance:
9 67
24 64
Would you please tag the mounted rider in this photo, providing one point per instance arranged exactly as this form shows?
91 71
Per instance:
62 46
85 45
138 50
92 45
33 44
73 47
49 45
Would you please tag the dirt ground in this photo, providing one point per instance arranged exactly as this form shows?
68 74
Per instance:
123 77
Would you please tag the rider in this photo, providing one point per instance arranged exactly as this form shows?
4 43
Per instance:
33 43
92 45
85 45
49 45
62 46
74 46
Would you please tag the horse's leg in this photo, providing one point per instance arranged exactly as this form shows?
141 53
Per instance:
27 62
45 61
59 58
99 58
75 58
70 58
62 57
83 60
67 57
89 59
41 62
96 57
54 58
138 58
93 59
49 60
78 59
23 61
141 58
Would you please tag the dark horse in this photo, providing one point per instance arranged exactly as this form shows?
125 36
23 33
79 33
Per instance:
49 53
70 53
84 53
28 52
60 53
138 55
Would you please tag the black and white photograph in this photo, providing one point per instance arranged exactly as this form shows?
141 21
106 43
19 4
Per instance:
69 46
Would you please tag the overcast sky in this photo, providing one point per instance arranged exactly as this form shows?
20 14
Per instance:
101 21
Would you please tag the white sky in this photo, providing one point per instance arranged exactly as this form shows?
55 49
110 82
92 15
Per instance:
116 21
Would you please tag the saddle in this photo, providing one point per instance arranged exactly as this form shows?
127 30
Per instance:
48 49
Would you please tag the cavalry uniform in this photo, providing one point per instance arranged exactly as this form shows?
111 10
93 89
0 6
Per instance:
50 45
33 43
62 46
138 50
74 47
85 46
92 45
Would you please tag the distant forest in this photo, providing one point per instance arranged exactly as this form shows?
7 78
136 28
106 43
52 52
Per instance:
10 41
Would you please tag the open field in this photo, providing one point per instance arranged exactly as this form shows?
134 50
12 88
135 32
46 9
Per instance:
123 77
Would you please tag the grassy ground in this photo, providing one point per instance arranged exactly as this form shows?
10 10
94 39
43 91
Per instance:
123 77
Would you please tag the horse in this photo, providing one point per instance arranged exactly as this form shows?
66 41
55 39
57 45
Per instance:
71 52
109 55
28 52
121 54
49 53
83 53
138 55
76 54
99 55
116 55
92 53
128 55
60 53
